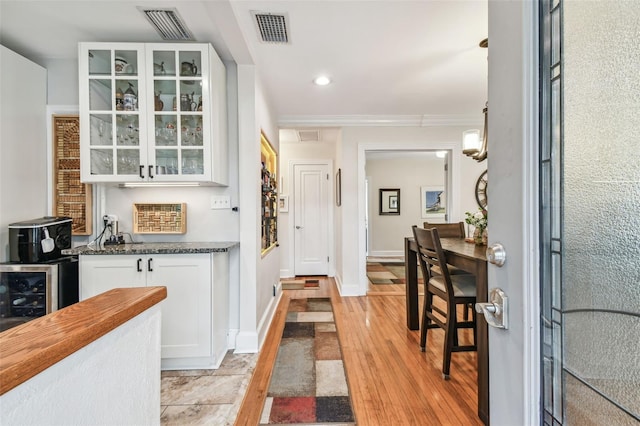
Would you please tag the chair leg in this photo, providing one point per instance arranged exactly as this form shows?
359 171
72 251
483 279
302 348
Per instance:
449 334
428 300
475 329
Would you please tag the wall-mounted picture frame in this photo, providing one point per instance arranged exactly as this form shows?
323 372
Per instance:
71 198
283 203
433 202
389 201
339 188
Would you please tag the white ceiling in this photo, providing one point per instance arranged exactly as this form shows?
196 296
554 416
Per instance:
386 58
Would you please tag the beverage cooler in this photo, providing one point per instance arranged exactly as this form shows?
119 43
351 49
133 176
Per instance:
29 291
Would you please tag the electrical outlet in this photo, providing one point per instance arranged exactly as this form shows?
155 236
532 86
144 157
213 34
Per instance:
220 202
110 218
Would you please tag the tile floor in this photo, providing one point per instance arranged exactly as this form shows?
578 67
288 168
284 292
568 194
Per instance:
206 397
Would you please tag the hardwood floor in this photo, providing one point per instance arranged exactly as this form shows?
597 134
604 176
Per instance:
391 381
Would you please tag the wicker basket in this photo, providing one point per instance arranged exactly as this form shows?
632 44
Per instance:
152 218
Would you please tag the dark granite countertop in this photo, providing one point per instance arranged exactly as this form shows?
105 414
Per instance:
155 248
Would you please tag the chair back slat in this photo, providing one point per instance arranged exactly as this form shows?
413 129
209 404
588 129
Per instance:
430 253
447 230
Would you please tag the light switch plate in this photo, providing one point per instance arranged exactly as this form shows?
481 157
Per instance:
220 202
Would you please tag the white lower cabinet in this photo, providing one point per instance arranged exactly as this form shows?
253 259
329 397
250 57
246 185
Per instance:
194 314
101 273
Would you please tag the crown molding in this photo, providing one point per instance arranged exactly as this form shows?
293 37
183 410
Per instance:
426 120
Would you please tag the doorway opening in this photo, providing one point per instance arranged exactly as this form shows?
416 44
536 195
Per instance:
393 181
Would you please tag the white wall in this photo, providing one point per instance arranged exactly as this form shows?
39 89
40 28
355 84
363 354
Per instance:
114 380
269 265
62 86
203 224
258 273
23 143
407 173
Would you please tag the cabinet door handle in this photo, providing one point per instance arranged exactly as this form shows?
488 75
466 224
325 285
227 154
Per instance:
151 172
149 268
139 267
142 172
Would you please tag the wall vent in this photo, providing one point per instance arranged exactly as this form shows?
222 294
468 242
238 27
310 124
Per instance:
308 135
272 27
168 23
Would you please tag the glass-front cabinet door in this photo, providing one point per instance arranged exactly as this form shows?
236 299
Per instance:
181 113
112 104
152 112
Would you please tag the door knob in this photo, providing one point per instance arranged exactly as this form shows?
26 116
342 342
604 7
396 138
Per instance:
496 254
299 227
495 312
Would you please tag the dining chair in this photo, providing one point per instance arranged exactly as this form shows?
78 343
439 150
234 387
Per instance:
450 230
454 290
447 230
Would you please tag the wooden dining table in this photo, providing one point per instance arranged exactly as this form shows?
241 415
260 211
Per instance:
471 258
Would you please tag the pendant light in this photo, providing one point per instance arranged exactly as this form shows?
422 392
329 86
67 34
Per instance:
472 145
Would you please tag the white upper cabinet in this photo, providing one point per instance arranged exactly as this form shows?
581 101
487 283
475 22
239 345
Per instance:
152 112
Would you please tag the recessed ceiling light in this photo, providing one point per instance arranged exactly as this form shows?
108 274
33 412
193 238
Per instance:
323 80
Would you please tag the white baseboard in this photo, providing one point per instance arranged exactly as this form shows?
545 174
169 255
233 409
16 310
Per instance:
386 253
246 342
252 341
347 290
265 321
231 338
286 273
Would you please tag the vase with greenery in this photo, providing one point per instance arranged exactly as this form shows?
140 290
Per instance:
479 221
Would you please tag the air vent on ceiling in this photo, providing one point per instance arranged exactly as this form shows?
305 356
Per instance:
308 135
168 23
272 27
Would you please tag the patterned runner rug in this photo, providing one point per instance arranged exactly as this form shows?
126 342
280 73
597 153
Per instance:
300 284
387 273
308 383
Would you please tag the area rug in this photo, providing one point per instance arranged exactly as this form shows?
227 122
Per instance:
308 383
387 273
301 284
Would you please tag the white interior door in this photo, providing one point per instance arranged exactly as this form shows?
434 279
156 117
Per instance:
311 219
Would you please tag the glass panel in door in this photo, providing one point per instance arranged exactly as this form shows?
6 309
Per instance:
167 162
165 116
125 63
114 102
192 162
590 198
99 62
178 117
190 63
100 95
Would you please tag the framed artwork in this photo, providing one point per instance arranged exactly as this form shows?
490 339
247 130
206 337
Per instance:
433 203
339 188
283 203
71 197
389 201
